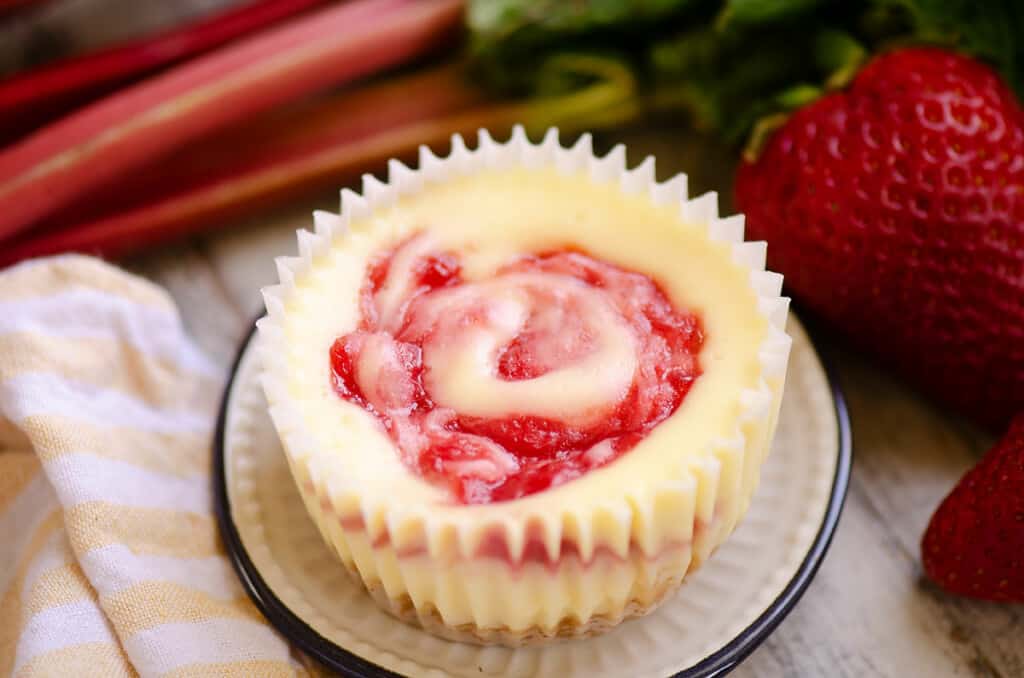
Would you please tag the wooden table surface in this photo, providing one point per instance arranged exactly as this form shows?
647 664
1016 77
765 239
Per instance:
867 613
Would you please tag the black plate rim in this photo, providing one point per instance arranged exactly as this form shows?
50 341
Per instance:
351 665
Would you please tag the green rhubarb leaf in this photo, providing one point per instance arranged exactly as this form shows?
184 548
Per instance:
510 39
730 80
581 91
495 19
751 12
728 63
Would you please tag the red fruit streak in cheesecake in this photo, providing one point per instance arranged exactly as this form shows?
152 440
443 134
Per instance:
535 551
495 545
537 318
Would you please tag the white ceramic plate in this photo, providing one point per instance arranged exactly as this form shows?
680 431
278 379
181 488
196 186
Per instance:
718 617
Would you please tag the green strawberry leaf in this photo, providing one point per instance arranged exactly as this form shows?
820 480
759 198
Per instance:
798 95
840 55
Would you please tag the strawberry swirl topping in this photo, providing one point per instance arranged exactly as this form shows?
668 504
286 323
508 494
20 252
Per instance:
499 387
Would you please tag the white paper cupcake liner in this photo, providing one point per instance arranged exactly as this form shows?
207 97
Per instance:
627 552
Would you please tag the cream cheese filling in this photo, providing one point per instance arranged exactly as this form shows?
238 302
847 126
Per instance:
490 218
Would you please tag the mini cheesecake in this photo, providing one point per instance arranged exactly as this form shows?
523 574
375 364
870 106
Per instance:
522 390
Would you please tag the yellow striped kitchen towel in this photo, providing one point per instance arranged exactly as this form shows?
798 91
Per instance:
110 560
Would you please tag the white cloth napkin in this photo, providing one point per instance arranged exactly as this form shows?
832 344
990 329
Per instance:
110 560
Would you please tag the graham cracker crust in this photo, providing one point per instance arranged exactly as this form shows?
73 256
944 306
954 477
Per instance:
569 628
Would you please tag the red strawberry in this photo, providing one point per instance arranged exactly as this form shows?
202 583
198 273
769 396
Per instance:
974 545
896 211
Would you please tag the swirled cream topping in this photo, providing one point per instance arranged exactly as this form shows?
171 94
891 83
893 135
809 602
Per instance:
503 386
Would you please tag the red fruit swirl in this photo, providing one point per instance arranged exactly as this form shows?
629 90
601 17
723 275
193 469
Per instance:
499 388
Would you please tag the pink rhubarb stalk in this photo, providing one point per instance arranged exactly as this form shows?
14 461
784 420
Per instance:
284 154
318 146
30 99
74 156
11 6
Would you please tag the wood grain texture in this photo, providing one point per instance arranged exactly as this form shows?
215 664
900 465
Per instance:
868 612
